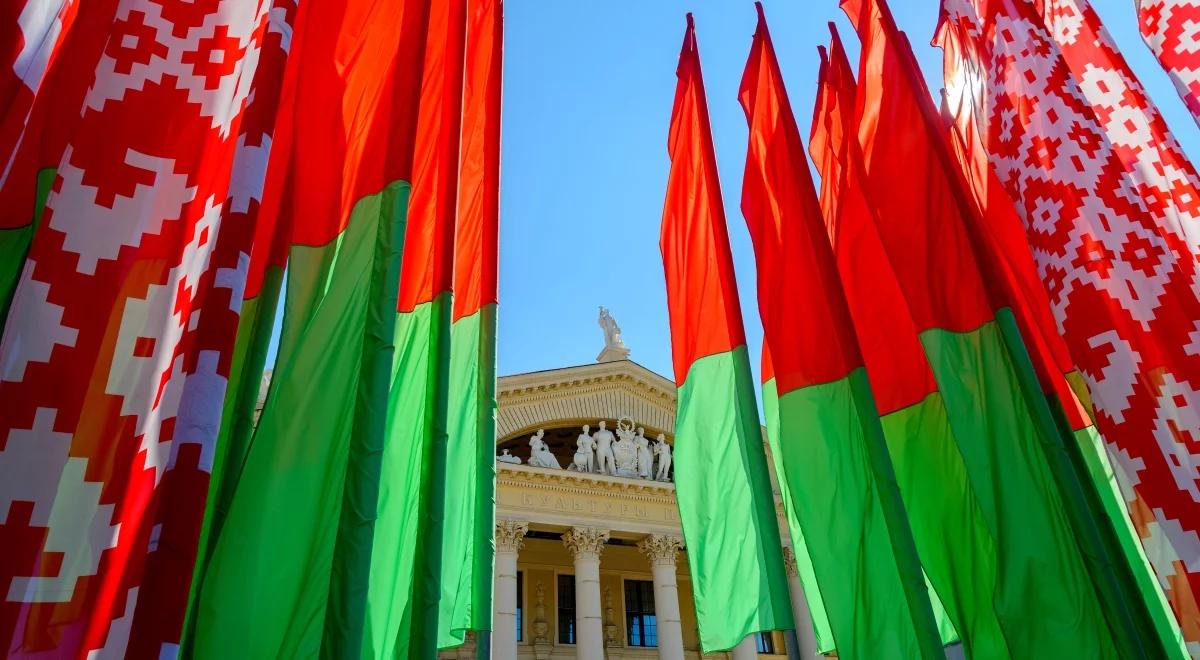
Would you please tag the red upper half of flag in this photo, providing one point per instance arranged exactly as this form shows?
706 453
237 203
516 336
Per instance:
917 195
800 298
896 365
427 268
475 249
702 294
347 115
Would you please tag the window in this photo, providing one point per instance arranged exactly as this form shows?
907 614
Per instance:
520 605
566 609
640 623
765 642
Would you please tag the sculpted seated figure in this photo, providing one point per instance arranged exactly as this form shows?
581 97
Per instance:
539 453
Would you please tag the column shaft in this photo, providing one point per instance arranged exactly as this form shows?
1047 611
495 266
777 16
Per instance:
666 609
585 544
805 636
510 536
747 649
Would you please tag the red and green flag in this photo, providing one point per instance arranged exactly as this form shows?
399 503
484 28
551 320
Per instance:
830 456
468 547
726 506
300 519
406 566
1016 458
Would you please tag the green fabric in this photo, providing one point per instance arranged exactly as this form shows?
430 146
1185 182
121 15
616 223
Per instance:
268 584
1001 447
404 594
957 552
808 577
726 507
843 493
255 324
468 543
15 241
1100 471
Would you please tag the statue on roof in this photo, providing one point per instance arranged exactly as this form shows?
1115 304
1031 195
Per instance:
614 346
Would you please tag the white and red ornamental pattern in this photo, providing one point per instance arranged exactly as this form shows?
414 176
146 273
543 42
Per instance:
115 356
1110 208
1171 28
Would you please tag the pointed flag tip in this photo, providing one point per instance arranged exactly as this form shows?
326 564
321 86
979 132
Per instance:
691 22
759 8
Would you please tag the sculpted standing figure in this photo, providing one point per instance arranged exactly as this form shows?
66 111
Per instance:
645 460
539 453
585 456
663 450
605 462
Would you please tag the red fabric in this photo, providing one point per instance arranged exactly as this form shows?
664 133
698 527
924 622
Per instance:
896 366
115 356
911 184
804 314
37 121
1169 28
702 294
427 268
475 238
1110 215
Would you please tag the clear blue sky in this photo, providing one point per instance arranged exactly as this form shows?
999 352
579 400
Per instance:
587 98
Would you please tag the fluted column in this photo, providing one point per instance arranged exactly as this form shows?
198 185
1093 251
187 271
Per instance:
747 649
662 551
510 535
585 544
805 636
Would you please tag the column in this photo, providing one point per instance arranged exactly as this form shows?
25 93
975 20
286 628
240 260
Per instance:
510 535
805 637
585 544
662 552
747 649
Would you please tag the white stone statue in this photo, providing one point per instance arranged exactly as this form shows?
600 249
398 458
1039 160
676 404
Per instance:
663 451
506 457
585 454
605 463
625 451
539 453
645 460
614 346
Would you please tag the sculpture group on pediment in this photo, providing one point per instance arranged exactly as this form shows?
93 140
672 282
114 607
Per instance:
628 453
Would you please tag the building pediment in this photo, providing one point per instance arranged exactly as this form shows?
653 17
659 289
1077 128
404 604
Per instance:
583 395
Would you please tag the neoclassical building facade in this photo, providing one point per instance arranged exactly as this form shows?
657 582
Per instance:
592 565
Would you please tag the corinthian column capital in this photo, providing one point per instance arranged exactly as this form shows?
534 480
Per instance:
510 535
585 542
661 549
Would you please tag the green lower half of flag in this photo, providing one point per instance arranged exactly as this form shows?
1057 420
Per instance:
1103 477
843 499
468 545
1045 600
15 241
405 585
726 505
281 559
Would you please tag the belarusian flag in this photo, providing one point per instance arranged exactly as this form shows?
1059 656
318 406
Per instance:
1113 232
724 490
955 547
116 351
299 527
406 570
1168 28
827 444
468 547
1018 463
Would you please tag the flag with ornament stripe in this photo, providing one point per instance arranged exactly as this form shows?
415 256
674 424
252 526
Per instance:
1101 191
1016 452
997 228
300 521
468 549
117 345
726 506
403 600
1168 28
826 443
